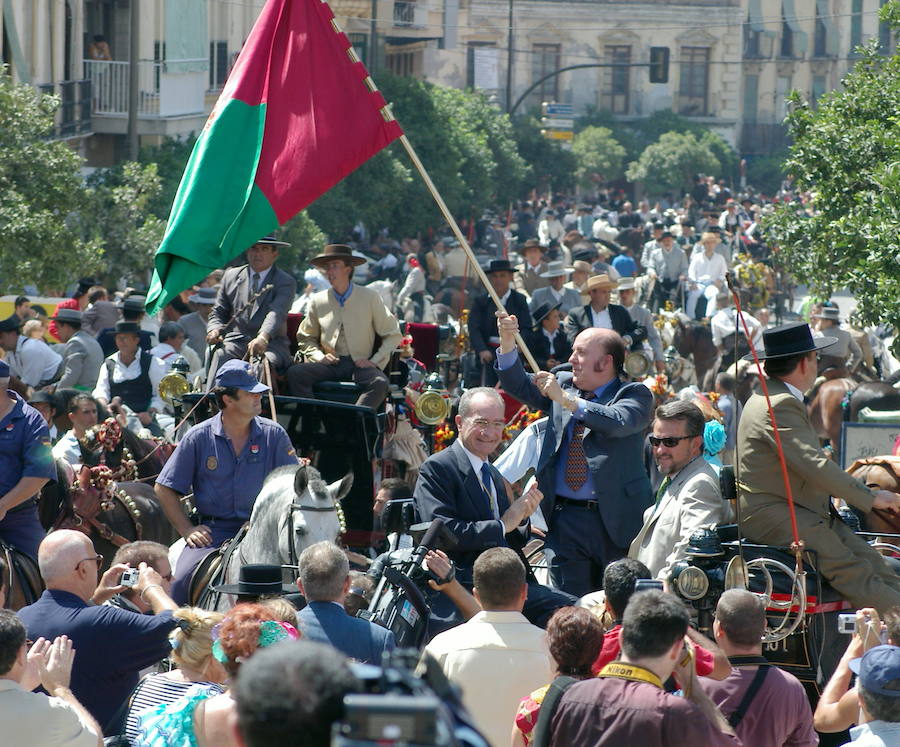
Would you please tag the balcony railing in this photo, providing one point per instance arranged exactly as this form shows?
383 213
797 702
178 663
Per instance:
410 14
109 81
73 118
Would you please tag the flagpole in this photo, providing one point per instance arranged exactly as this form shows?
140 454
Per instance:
451 221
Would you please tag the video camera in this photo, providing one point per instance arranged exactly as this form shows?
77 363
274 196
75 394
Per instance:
407 703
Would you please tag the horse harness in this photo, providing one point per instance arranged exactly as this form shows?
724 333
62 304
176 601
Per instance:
100 495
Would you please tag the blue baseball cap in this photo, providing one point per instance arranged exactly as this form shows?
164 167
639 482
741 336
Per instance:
4 369
239 374
878 668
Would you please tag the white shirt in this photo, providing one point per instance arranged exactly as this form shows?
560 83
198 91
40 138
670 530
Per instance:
496 659
33 361
168 354
706 270
793 390
67 449
601 318
127 373
262 276
476 462
725 322
549 229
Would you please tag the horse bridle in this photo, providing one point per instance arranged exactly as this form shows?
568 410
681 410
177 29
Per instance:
293 557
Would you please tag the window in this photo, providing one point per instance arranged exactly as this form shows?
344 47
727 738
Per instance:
545 61
751 41
782 86
793 38
473 80
616 80
751 98
218 64
818 88
787 40
820 40
402 63
884 35
693 89
855 26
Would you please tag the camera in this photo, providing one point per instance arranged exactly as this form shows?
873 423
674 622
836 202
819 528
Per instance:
129 577
847 623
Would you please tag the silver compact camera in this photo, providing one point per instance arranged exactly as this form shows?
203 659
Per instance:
847 623
129 577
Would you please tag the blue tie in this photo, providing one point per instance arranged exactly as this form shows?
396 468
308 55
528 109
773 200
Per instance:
486 484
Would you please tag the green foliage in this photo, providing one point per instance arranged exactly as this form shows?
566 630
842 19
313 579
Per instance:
41 192
668 164
466 145
306 240
170 159
600 157
552 167
117 215
766 173
846 154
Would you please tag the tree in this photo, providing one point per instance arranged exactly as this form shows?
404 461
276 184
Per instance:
846 155
41 193
551 167
599 157
668 164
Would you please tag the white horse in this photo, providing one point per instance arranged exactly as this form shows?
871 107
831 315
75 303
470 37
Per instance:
295 509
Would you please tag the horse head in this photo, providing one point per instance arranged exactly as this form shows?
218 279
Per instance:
316 507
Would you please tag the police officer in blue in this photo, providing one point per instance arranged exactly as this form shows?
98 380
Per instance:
26 465
223 461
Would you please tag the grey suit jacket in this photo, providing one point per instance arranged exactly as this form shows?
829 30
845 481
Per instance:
691 501
268 314
570 299
82 358
195 329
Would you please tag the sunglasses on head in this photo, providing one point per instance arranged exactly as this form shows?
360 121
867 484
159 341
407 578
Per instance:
668 441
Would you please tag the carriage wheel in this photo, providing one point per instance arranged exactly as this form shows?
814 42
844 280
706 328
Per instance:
534 554
789 620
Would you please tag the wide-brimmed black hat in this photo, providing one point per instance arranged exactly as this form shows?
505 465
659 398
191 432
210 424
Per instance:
542 312
790 339
128 327
270 240
134 303
257 580
337 251
11 324
499 265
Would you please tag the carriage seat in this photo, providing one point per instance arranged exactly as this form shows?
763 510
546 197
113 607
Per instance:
337 391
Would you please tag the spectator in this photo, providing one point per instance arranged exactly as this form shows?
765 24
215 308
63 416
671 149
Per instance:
291 694
626 704
324 579
22 309
82 354
879 697
34 719
730 407
764 704
497 655
82 413
194 665
132 555
619 581
200 716
113 645
574 637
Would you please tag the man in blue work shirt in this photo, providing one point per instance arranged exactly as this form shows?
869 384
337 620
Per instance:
26 465
223 461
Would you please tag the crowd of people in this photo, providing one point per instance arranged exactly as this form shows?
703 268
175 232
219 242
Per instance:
614 480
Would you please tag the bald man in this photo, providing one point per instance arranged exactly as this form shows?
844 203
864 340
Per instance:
591 468
112 645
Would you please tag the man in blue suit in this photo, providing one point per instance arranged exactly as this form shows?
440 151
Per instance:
460 486
325 580
590 469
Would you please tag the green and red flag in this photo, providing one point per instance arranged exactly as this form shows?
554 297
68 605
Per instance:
297 114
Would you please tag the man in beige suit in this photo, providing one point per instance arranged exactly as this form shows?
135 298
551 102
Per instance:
688 498
338 336
857 571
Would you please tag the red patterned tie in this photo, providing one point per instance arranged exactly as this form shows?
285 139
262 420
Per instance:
576 465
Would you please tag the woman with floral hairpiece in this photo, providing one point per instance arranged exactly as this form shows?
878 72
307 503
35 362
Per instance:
201 718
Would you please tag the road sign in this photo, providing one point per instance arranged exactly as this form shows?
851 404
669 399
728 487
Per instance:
558 134
558 110
555 123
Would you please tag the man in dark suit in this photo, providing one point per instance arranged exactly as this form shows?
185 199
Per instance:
460 486
324 579
590 469
260 327
482 324
603 314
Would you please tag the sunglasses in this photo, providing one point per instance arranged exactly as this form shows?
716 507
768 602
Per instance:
669 441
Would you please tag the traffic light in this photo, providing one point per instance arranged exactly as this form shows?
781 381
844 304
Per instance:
659 64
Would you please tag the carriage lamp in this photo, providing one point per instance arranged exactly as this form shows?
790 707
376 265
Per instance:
700 580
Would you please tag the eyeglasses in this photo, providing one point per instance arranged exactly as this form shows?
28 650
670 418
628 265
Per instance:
98 558
483 423
669 442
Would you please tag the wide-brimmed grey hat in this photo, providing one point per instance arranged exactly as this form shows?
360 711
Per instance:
556 269
832 313
67 315
204 296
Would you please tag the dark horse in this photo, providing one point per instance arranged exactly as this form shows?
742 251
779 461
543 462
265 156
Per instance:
110 513
839 400
694 340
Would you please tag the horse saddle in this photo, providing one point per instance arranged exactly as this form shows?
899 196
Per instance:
211 570
24 582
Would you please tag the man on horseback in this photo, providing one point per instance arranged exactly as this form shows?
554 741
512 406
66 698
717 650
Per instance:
844 559
223 461
26 464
